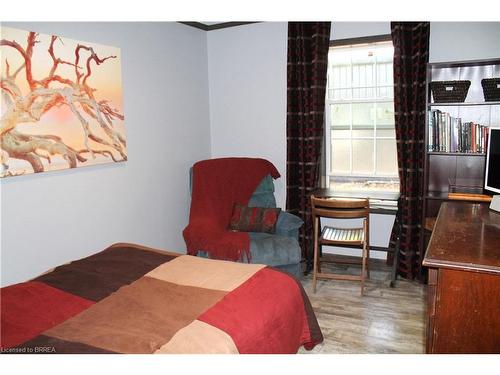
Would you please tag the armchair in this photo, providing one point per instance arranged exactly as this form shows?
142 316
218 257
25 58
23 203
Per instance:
281 249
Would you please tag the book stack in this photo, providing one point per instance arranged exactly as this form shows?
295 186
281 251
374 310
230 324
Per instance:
450 134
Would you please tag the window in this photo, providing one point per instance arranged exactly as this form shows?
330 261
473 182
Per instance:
360 134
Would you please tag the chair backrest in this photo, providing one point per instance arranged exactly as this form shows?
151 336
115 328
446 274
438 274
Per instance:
263 196
340 208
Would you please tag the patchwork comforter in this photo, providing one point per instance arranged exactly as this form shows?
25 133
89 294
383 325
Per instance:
132 299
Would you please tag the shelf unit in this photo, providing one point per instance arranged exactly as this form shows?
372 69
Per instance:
441 167
463 104
454 153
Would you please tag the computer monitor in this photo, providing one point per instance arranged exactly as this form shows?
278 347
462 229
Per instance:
492 177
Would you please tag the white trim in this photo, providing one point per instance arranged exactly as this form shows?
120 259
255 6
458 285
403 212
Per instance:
372 102
360 101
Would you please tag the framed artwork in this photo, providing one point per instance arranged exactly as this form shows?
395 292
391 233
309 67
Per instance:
61 103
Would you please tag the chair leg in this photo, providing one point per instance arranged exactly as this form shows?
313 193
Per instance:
367 244
320 247
320 254
368 261
363 269
315 262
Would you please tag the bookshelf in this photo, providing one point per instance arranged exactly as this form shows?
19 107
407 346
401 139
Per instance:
446 172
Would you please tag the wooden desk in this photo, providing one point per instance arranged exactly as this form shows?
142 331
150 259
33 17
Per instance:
463 257
382 203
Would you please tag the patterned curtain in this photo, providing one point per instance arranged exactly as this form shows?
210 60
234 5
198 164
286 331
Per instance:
411 55
308 44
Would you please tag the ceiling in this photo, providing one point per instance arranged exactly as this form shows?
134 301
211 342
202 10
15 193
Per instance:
208 26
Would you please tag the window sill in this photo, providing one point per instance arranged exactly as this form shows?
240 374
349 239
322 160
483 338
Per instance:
369 185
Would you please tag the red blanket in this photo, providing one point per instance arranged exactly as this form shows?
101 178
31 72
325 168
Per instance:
217 185
268 293
42 307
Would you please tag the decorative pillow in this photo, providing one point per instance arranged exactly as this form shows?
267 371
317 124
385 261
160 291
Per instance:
254 219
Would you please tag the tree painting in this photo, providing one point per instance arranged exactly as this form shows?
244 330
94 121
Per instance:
61 103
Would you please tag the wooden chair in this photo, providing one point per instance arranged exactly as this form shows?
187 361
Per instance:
339 208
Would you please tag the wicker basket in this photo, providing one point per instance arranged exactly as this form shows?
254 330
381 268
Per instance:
491 89
449 91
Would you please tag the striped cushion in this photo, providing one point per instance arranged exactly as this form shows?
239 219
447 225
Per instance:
343 234
254 219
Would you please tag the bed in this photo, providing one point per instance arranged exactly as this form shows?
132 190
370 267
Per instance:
133 299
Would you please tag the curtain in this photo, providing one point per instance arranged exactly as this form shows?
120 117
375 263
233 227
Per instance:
308 44
411 55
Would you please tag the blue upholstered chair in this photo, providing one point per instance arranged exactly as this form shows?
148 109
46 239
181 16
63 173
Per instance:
280 250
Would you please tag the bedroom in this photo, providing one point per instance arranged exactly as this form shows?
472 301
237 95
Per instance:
188 95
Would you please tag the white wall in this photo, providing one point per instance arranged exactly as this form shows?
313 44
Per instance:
449 41
247 85
55 217
455 41
347 30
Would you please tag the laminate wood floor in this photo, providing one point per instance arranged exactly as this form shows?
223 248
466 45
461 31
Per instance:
384 320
